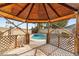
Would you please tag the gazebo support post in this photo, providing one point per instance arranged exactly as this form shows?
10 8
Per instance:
16 42
48 34
9 32
77 34
27 34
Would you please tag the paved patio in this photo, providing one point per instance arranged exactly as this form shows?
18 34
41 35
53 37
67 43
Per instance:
43 50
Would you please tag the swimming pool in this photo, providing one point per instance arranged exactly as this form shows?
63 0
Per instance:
39 36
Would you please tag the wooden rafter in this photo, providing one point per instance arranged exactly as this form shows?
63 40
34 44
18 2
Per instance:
4 14
24 20
30 11
23 9
46 11
63 18
11 28
15 25
54 10
6 4
70 7
56 19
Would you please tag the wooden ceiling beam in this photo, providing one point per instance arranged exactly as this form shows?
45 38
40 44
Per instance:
54 10
30 11
63 18
6 4
68 6
11 16
24 20
46 11
23 9
56 19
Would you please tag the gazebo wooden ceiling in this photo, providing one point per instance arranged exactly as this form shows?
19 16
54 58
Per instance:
38 12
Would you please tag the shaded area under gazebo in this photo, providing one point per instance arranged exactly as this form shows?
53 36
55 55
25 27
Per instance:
41 13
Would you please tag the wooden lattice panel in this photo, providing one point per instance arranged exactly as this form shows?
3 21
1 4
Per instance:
62 41
7 43
67 43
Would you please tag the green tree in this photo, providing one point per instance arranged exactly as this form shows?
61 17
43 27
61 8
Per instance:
59 24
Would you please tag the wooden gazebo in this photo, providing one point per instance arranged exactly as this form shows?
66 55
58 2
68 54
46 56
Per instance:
41 12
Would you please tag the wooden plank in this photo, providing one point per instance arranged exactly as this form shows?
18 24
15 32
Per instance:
77 35
55 20
46 11
54 10
23 9
11 16
16 42
70 7
23 20
6 4
27 38
30 11
63 18
37 21
58 39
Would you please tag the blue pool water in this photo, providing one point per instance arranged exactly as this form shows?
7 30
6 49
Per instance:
39 36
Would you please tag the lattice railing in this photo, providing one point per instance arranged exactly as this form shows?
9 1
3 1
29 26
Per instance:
10 42
63 41
7 43
67 43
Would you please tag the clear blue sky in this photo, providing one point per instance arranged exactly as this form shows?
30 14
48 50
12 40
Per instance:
3 24
71 21
30 25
